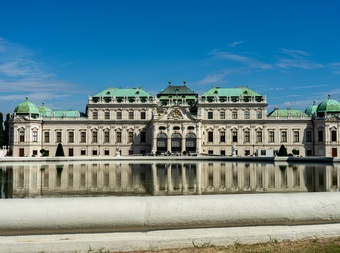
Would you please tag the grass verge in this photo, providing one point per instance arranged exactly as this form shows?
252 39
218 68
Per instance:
315 245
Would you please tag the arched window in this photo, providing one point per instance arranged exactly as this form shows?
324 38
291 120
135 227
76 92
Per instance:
162 142
176 143
190 143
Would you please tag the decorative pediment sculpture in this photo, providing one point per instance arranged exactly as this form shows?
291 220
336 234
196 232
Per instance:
176 114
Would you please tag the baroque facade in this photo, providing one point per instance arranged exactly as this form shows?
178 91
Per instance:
177 121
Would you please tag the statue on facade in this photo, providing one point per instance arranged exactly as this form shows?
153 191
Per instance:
117 151
233 150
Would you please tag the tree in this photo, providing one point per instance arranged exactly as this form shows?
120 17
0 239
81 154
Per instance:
60 150
282 151
6 131
1 130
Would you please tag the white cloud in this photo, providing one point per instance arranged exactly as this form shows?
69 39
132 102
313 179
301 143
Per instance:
235 43
309 86
335 67
22 74
295 53
249 62
273 89
296 59
212 79
21 71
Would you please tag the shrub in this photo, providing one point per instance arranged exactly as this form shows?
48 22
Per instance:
60 150
295 151
44 152
282 151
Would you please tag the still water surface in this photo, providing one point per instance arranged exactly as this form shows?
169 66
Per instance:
34 180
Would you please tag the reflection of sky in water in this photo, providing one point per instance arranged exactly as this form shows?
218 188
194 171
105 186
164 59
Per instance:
33 180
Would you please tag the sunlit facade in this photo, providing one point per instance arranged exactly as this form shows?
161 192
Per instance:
177 121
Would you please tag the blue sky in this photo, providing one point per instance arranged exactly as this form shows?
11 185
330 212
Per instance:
60 52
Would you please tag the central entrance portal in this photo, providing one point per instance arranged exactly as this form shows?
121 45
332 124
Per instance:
176 143
162 142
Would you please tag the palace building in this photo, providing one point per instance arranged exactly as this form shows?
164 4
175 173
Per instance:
177 121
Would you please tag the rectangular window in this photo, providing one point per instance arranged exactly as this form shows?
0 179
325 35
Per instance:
58 137
82 152
259 114
35 136
22 136
234 115
210 115
83 137
107 137
142 115
259 136
234 136
222 136
94 152
247 115
119 115
333 136
107 115
246 136
46 136
210 137
118 137
130 137
308 136
222 115
94 136
130 114
271 136
284 136
142 137
71 137
95 115
320 135
106 152
296 135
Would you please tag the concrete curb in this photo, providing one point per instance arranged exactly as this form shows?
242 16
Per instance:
130 214
162 239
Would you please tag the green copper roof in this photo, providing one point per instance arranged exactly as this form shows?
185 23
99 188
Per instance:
232 92
26 107
68 114
44 110
173 90
329 105
128 92
286 113
311 110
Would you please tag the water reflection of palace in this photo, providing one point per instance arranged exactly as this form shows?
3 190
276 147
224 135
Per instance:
106 179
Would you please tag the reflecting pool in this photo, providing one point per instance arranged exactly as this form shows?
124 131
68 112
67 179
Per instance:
34 180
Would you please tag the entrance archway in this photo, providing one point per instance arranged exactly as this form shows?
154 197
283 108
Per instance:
190 143
176 143
162 142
